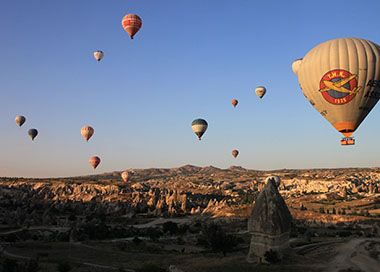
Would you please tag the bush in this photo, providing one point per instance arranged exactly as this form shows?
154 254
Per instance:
9 265
64 267
217 239
151 268
170 226
271 256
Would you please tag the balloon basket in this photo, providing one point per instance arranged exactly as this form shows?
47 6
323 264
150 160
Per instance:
347 141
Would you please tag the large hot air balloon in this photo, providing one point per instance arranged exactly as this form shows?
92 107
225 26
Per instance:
98 55
260 91
199 126
94 161
131 23
126 175
235 153
341 79
234 102
87 132
20 120
32 133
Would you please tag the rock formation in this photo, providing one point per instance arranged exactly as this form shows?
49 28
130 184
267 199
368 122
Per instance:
269 224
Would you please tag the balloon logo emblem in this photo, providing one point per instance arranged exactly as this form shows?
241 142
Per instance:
339 87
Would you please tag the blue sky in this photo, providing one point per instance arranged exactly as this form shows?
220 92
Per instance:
188 61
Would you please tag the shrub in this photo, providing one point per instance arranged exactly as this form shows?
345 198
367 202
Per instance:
64 267
271 256
151 268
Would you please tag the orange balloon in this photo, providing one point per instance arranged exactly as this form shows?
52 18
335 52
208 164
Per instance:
94 161
234 102
131 23
87 132
235 153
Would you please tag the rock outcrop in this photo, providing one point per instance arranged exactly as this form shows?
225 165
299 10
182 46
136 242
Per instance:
269 224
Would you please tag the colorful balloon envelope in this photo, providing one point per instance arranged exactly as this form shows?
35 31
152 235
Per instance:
131 23
341 79
234 102
126 175
32 133
260 91
199 126
87 132
235 153
94 161
20 120
98 55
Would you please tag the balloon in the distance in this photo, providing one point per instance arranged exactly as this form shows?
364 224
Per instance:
94 161
32 133
126 175
260 91
235 153
340 78
98 55
20 120
87 132
131 23
199 126
234 102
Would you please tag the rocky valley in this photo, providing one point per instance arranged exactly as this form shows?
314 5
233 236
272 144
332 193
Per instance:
168 212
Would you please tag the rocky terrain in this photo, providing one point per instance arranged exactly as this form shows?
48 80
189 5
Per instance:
170 210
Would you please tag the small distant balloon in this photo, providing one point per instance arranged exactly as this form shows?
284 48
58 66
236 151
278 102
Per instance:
234 102
87 132
98 55
199 126
126 175
260 91
235 153
131 23
94 161
20 120
32 133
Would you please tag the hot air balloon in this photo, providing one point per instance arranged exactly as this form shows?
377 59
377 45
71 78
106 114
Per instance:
199 126
341 79
234 102
94 161
98 55
260 91
126 175
32 133
131 23
87 132
20 120
235 153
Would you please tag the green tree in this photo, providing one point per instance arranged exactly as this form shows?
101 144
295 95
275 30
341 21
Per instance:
217 239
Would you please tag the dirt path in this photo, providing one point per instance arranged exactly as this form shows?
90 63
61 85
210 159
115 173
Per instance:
353 256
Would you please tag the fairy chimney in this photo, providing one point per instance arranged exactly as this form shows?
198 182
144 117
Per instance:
269 224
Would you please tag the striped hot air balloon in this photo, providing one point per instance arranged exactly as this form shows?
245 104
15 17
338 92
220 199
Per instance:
20 120
235 153
87 132
131 23
260 91
98 55
94 161
199 126
32 133
341 78
234 102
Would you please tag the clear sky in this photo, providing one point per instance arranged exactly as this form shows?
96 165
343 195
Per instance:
188 61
